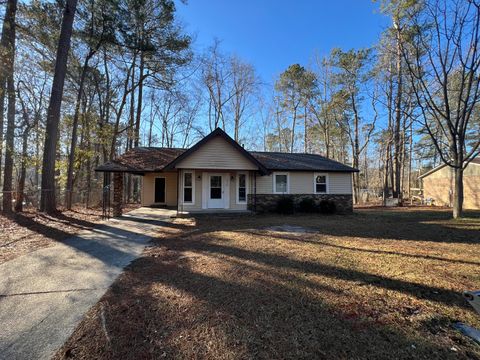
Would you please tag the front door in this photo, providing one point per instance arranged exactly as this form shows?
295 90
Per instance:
215 193
160 190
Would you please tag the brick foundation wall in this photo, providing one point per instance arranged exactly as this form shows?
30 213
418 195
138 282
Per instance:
268 202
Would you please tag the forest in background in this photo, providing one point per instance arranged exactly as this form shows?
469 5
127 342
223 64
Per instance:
83 81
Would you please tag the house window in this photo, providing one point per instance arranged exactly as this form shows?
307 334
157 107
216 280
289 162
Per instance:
280 183
188 187
215 187
320 183
241 188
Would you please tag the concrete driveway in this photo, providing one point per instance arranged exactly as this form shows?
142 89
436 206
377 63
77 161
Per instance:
44 294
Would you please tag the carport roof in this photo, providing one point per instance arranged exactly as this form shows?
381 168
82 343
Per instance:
142 159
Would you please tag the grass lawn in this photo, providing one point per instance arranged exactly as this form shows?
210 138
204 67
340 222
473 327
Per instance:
373 285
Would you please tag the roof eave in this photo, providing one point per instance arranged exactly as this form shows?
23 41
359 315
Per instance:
432 171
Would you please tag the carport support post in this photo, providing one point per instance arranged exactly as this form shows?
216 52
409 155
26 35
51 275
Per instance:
117 194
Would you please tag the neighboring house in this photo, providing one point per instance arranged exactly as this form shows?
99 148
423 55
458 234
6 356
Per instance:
438 185
217 174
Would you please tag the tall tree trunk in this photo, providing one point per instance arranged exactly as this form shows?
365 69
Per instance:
2 114
47 200
385 175
410 160
140 100
292 141
130 131
73 142
458 192
107 100
37 157
398 117
126 91
236 128
3 83
136 184
305 129
9 56
150 129
9 147
356 151
23 171
131 120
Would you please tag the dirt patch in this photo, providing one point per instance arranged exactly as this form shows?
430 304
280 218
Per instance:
373 285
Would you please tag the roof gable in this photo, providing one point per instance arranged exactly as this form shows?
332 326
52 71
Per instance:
217 151
474 161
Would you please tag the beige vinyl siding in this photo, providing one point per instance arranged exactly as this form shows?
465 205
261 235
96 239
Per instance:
340 183
217 154
439 186
301 182
148 188
264 184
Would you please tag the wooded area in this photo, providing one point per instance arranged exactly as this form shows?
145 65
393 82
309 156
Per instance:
81 83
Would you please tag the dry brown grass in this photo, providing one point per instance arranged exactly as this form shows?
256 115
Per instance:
22 233
373 285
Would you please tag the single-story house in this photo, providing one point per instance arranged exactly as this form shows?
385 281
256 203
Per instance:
438 185
217 174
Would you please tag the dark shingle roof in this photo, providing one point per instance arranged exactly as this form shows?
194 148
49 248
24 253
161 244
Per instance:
142 159
299 161
152 159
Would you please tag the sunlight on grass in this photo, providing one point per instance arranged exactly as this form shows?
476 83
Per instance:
296 287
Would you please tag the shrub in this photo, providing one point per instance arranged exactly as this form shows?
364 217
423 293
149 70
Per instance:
307 205
327 207
285 205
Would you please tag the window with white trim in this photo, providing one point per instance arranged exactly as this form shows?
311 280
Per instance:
280 183
241 188
188 181
320 183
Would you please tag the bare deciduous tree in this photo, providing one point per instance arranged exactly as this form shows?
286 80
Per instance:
444 73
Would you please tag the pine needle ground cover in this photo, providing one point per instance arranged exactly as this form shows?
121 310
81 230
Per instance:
22 233
373 285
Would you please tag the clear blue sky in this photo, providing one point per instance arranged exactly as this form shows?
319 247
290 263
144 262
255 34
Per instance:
273 34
